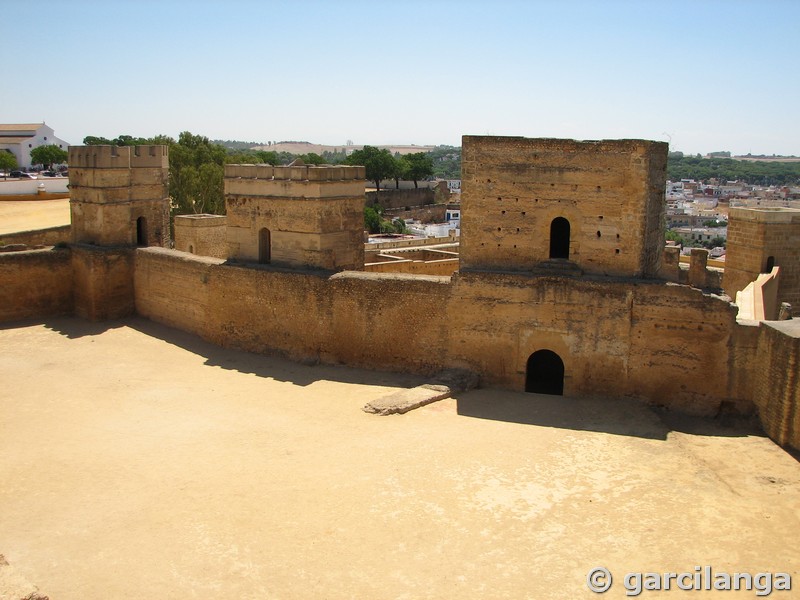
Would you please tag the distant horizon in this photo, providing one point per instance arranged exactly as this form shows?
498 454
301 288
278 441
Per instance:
381 144
704 76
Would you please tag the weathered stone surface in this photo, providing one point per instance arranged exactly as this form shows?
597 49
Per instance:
119 195
610 192
35 283
759 239
405 400
442 386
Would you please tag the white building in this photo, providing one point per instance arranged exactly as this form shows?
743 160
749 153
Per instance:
20 139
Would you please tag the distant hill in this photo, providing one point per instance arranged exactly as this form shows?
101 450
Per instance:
306 147
772 158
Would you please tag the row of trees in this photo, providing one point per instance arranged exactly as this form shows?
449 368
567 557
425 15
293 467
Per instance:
381 165
47 156
728 169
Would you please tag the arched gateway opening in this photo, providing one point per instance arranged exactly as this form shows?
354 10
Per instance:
545 373
559 238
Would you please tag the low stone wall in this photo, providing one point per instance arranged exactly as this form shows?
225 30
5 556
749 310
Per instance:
39 237
392 198
103 281
35 284
446 266
663 343
433 213
776 381
171 287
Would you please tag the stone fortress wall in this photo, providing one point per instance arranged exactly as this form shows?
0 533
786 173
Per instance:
615 324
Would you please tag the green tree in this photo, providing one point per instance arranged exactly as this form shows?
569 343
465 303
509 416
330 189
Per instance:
400 226
196 175
674 237
401 168
312 158
380 164
48 155
7 161
93 140
372 219
269 157
420 166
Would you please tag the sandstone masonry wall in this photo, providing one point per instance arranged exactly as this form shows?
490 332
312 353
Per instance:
103 282
664 343
39 237
35 284
610 192
296 216
112 187
348 318
203 234
755 235
776 381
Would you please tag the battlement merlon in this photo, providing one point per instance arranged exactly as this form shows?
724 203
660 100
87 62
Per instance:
294 189
765 215
297 173
564 147
119 157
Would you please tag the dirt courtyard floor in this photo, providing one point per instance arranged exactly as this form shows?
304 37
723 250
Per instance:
140 462
27 215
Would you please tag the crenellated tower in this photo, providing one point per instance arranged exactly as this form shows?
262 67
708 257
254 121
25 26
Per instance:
119 195
296 216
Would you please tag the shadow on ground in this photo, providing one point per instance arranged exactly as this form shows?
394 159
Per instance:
618 416
269 366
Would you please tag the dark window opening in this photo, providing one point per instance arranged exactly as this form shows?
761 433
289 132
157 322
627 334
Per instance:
141 231
770 264
264 246
545 373
559 238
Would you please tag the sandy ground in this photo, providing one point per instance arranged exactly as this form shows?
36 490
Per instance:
27 215
139 462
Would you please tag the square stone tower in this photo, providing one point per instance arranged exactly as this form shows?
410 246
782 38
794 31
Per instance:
759 239
297 216
528 204
119 195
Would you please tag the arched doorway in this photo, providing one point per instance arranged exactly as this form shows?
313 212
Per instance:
141 231
264 246
545 373
559 238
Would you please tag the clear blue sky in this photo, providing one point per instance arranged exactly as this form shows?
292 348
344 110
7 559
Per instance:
707 75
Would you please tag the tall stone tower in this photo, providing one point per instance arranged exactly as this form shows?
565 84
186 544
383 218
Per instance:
297 216
119 195
118 200
759 239
593 207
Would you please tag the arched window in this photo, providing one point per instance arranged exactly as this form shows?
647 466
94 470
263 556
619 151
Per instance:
141 231
264 246
559 238
545 373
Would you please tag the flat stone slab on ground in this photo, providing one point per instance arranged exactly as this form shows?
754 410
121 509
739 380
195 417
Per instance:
403 401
